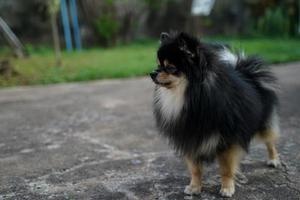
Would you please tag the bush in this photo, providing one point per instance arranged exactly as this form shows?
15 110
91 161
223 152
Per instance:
107 27
275 22
106 24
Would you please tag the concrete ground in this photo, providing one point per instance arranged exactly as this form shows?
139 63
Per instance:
97 140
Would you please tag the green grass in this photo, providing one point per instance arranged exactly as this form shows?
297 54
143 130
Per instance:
272 50
137 59
119 62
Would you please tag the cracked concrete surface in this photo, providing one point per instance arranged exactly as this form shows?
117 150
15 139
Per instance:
97 140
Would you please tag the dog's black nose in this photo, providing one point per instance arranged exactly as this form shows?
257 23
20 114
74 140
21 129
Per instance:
153 75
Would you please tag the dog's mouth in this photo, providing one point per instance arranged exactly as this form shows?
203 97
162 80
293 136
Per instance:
164 84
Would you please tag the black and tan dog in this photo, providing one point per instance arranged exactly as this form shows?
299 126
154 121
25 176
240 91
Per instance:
210 103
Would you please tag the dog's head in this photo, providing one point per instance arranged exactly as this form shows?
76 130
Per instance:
178 56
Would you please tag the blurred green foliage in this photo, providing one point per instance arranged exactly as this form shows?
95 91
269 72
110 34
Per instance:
107 28
274 22
106 23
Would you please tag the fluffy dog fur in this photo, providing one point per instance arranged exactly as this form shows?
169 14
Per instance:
210 102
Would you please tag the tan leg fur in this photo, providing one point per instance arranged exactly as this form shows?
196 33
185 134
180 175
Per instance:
269 137
229 161
196 177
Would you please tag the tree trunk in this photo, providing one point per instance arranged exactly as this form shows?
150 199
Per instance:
55 36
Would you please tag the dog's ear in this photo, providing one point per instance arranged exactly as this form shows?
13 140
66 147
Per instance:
164 37
191 47
187 44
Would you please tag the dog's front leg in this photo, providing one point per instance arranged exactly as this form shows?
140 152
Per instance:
229 161
195 169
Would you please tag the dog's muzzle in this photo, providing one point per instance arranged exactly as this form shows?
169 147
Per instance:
153 76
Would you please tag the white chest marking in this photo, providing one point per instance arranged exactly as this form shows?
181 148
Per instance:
171 101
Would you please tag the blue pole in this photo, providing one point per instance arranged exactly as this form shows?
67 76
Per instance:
73 10
66 24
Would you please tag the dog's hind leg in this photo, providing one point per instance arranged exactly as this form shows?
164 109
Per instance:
269 136
195 169
229 161
273 155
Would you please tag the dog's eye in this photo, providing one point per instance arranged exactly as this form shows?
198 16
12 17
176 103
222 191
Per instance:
171 69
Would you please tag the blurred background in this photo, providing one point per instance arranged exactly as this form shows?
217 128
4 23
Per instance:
53 41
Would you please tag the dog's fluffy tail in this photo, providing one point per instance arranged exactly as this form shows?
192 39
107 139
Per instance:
256 71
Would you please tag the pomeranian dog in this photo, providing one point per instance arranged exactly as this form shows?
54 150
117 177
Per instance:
210 102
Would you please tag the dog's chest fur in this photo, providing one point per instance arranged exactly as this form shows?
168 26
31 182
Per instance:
170 101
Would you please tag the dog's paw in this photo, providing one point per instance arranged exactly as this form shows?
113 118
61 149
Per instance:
273 163
227 192
192 189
